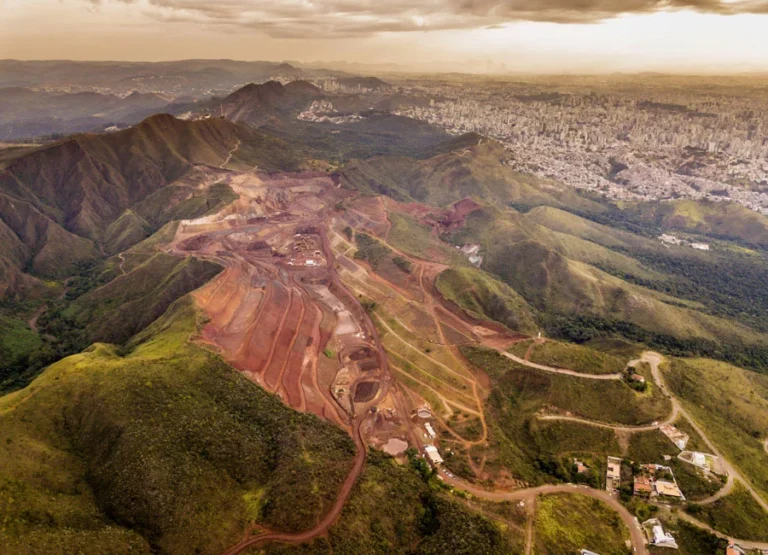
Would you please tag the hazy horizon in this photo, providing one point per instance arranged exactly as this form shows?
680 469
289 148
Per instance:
485 36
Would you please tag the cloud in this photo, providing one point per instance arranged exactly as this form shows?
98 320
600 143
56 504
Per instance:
351 18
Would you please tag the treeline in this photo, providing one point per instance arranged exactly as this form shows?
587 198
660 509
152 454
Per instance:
61 338
584 328
371 250
61 335
728 285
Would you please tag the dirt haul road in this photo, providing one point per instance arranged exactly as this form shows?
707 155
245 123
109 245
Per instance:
267 276
357 466
329 519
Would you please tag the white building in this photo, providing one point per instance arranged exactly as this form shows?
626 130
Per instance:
658 536
433 455
430 431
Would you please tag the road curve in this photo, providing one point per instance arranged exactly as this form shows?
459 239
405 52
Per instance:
331 516
746 544
722 492
654 359
621 427
563 371
529 495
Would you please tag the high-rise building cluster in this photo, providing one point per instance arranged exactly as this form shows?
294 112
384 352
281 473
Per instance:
666 143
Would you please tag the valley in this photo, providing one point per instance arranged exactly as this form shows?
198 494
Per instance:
399 350
369 343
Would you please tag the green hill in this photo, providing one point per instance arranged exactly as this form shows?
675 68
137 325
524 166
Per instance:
468 171
567 355
726 220
127 304
60 202
731 406
164 446
571 224
484 297
537 450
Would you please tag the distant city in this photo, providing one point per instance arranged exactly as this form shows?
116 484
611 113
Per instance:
664 143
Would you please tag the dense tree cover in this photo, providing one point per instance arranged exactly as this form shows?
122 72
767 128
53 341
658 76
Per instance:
371 250
60 335
402 263
582 328
728 284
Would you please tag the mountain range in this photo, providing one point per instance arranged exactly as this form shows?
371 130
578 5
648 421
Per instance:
214 327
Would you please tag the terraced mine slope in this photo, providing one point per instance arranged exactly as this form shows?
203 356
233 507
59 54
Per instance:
299 359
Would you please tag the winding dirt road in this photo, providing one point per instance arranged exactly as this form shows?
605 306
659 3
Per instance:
655 359
563 371
331 516
745 544
229 155
529 495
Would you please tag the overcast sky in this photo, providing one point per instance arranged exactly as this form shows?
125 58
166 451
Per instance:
524 35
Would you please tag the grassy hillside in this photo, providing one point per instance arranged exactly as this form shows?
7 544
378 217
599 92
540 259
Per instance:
166 441
567 523
370 249
717 219
392 510
567 355
180 202
36 243
104 304
571 224
127 230
530 390
17 343
403 509
413 237
726 281
127 304
485 297
557 284
536 450
477 170
731 406
737 515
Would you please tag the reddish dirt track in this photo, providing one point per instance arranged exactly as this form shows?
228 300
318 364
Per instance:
331 516
269 322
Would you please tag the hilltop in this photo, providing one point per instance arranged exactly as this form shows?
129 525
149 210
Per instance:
268 102
215 329
63 197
